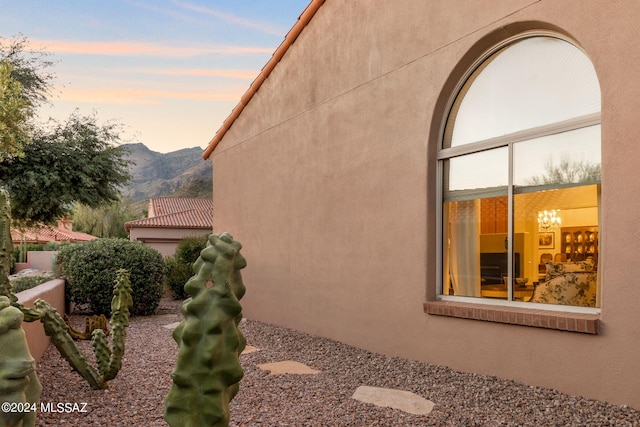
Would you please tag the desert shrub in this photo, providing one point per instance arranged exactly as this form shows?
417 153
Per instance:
90 271
180 266
177 275
51 246
189 248
27 282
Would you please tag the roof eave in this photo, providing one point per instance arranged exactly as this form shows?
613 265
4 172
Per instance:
289 39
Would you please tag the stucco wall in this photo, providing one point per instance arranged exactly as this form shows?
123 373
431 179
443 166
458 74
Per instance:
328 180
164 240
42 260
52 292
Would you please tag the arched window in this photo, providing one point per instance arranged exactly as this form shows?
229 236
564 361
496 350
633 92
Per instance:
520 178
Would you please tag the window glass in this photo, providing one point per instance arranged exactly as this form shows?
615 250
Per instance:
485 172
475 203
567 245
520 213
530 83
567 158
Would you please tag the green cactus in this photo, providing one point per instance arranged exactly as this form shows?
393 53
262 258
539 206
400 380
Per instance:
57 329
208 370
18 380
109 362
6 246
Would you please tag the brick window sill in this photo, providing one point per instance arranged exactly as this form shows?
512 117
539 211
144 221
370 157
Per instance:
558 320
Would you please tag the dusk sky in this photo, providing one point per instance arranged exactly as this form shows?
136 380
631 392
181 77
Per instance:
170 71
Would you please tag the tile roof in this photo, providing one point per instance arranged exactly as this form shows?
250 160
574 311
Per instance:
43 234
166 205
176 212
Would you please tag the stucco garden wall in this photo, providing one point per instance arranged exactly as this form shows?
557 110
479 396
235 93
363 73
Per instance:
52 292
328 179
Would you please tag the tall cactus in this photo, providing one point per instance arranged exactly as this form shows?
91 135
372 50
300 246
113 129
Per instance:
57 329
109 362
18 380
19 383
208 368
6 245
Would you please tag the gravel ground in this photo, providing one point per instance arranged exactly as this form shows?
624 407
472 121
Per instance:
136 395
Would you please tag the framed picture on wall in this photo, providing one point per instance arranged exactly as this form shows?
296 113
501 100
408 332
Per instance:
545 241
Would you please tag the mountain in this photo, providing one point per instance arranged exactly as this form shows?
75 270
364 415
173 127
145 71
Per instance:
181 173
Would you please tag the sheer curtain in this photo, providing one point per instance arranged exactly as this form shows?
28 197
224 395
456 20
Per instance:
462 263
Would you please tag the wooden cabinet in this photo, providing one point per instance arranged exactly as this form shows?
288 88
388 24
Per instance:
493 215
579 243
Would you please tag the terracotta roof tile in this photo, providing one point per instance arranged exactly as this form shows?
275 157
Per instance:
43 234
191 218
176 212
167 205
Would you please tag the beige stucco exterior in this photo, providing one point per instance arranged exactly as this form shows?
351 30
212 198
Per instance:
52 292
328 179
165 240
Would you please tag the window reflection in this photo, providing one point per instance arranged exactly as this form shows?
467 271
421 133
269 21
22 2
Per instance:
542 98
566 158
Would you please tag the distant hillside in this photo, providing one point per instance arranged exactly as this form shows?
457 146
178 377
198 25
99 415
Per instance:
181 173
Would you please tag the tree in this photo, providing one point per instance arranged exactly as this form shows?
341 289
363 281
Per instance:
15 112
30 68
74 162
104 221
567 171
48 170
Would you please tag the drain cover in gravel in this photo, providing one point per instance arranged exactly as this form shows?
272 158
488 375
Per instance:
288 367
397 399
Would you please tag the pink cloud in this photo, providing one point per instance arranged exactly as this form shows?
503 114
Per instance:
142 49
132 96
232 74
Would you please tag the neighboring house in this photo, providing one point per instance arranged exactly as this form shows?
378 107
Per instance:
170 220
396 162
42 234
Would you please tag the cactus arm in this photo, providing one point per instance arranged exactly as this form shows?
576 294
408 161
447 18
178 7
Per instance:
119 321
101 350
57 329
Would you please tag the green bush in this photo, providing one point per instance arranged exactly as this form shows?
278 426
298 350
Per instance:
27 282
51 246
90 270
180 266
177 275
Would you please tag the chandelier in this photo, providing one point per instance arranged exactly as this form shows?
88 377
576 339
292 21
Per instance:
548 220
